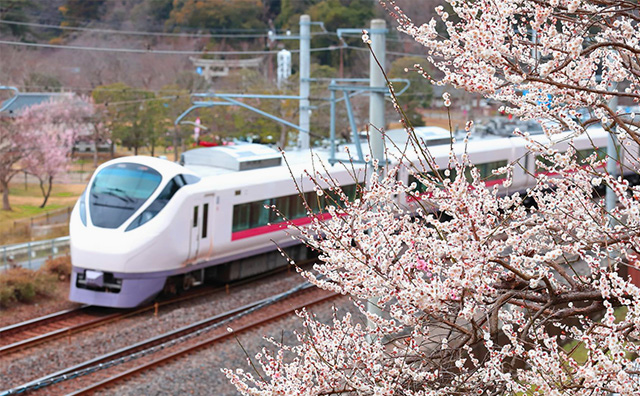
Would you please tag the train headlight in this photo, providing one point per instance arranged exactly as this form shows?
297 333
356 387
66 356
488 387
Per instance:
82 208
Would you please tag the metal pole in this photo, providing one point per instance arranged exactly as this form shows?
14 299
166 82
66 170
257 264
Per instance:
376 79
613 157
376 113
332 125
305 60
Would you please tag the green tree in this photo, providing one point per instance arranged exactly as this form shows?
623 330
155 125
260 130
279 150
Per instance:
15 11
174 101
339 14
132 115
290 11
40 82
419 94
217 14
79 12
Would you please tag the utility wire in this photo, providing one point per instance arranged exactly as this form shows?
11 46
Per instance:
152 51
181 52
388 52
135 33
138 51
159 34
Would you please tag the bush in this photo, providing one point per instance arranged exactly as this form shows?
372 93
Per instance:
24 285
7 295
60 266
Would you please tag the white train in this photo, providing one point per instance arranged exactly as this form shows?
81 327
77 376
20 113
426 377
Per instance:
145 224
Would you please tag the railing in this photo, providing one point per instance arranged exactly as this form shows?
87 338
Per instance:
51 217
32 254
37 226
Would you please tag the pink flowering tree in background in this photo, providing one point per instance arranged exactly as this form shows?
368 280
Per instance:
39 141
497 298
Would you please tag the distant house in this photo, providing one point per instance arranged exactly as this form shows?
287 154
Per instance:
22 100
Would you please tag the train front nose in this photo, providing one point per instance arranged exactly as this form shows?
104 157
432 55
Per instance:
102 252
104 271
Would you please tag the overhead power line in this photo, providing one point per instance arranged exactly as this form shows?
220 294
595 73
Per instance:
227 33
175 52
140 33
183 52
136 50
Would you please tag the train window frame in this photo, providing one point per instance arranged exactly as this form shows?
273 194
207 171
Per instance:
249 215
160 201
106 184
580 155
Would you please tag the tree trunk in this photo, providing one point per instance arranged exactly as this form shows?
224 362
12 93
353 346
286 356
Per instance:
48 192
175 143
5 195
283 136
95 153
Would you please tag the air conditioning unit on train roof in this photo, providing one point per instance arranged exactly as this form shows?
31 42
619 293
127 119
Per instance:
239 157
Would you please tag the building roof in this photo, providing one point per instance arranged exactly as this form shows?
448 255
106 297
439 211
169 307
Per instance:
22 100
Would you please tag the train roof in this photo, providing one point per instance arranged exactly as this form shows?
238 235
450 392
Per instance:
163 166
218 161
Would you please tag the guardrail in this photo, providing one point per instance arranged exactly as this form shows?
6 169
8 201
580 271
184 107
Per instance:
32 254
42 225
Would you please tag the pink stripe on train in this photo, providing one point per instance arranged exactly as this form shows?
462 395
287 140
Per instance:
251 232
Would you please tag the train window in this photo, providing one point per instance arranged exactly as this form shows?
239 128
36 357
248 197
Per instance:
581 156
333 198
486 170
240 217
160 202
254 214
118 191
205 218
285 206
420 187
296 207
190 179
195 216
259 215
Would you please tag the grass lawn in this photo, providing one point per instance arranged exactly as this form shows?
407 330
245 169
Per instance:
25 204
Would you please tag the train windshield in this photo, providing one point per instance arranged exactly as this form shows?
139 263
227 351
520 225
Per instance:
118 191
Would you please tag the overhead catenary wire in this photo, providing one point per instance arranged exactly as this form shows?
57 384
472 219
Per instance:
182 52
134 50
225 33
152 51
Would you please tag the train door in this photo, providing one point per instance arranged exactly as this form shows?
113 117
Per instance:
200 229
195 226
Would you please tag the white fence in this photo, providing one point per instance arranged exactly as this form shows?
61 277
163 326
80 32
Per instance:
32 254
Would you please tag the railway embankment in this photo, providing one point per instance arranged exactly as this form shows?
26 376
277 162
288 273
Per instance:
23 366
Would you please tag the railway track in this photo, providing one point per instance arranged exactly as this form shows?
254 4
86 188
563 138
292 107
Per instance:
104 371
45 329
60 324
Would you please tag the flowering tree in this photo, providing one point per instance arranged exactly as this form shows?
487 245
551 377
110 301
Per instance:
12 149
498 298
39 141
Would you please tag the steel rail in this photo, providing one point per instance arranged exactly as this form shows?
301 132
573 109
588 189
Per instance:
27 328
201 345
32 326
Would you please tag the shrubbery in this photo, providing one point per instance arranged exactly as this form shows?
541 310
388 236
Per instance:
60 266
25 285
